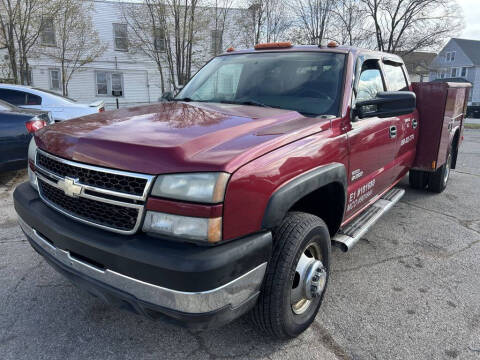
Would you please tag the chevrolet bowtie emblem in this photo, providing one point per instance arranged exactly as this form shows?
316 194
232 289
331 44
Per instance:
69 187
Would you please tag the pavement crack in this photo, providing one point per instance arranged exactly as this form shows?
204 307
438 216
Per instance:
466 173
383 261
464 223
329 342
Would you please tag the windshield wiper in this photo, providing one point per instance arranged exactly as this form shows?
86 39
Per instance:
186 99
245 102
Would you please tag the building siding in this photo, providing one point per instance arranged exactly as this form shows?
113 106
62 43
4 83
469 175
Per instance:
141 79
441 65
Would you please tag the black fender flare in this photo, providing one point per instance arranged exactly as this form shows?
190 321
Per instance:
289 193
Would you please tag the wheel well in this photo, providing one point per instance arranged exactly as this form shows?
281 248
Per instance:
454 149
327 202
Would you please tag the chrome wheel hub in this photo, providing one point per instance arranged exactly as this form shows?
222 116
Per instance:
309 280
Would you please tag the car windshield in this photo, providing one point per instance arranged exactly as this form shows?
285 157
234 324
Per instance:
60 97
307 82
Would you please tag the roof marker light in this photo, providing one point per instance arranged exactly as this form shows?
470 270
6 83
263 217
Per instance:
332 44
275 45
230 49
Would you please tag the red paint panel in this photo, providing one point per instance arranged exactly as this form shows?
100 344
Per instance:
175 137
441 107
250 188
184 209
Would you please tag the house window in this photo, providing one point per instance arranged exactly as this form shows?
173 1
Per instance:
47 35
54 79
454 72
120 38
464 72
159 40
109 83
451 56
216 38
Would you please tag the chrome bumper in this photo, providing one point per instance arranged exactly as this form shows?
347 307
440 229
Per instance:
233 293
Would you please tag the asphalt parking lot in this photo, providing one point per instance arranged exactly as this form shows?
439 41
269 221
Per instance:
409 290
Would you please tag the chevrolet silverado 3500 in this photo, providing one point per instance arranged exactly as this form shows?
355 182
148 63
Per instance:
226 199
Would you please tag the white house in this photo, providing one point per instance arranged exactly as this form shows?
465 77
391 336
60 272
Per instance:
459 60
134 74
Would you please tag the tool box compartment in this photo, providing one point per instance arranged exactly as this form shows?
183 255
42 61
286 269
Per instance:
442 107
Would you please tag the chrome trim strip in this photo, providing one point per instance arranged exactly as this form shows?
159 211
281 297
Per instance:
92 197
140 207
233 293
93 188
104 227
149 178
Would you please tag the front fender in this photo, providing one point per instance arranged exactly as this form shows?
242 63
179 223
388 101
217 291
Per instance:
297 188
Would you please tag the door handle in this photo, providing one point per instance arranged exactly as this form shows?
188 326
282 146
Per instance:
393 132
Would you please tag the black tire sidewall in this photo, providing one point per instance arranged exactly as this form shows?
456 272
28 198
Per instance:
294 324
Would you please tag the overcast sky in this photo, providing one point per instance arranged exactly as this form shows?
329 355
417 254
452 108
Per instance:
471 11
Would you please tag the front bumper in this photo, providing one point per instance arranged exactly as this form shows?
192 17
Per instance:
200 286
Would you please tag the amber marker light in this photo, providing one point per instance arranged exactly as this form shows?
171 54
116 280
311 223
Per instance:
275 45
332 44
214 230
230 49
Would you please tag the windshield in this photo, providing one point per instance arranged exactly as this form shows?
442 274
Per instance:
60 97
307 82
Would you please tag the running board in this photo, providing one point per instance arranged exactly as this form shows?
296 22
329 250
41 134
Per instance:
349 235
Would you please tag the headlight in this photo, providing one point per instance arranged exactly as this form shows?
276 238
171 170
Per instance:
186 227
32 151
206 187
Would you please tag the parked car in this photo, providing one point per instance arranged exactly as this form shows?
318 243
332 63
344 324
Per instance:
227 198
61 107
16 128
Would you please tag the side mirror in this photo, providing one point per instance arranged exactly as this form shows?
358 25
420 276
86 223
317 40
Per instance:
387 104
167 96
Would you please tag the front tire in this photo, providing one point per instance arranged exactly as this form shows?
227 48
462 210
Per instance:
296 277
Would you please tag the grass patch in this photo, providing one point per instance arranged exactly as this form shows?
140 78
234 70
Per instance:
472 126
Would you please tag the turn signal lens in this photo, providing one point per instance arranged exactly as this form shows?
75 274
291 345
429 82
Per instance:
184 227
35 125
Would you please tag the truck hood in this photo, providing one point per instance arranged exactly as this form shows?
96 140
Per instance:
176 137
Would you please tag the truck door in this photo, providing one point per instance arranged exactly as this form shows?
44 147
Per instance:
371 144
406 126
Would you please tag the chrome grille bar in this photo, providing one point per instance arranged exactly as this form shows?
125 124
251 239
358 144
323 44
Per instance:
96 194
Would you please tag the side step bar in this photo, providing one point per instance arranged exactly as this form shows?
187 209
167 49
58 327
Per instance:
349 235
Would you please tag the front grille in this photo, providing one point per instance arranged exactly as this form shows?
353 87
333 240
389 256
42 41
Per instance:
110 199
109 215
104 180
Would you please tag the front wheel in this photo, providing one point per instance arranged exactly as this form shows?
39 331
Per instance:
296 277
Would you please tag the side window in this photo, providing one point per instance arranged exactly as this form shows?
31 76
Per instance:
370 82
34 99
395 77
13 97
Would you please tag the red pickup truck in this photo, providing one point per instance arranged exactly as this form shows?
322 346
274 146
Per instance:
226 198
